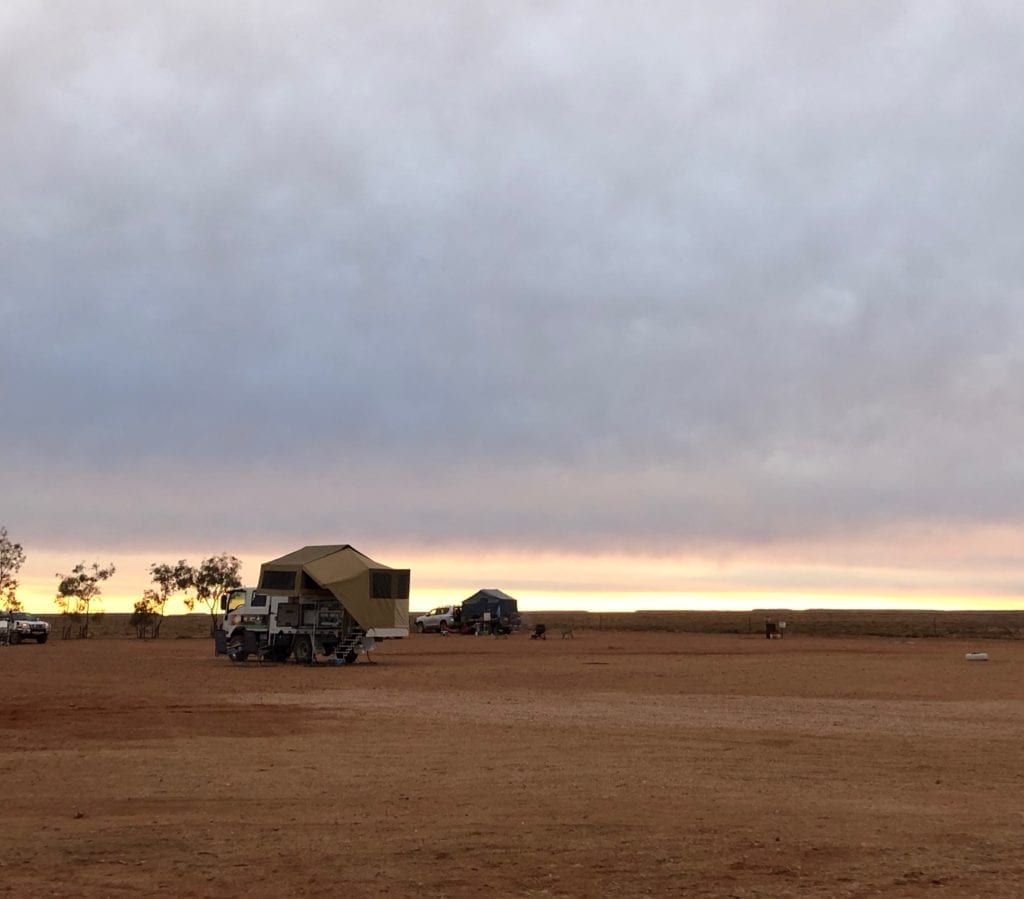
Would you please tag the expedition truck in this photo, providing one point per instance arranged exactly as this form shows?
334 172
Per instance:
277 627
327 601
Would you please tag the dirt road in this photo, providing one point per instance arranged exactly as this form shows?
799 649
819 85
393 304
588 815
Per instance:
611 764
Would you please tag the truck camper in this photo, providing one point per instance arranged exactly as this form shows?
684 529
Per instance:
329 601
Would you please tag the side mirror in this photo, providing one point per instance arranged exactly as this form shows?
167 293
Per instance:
223 602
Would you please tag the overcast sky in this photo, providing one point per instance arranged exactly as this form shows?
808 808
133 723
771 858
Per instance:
670 278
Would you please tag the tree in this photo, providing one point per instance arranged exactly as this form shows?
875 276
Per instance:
145 616
78 591
214 576
169 579
12 557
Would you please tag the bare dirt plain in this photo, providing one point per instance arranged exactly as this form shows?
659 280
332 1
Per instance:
614 764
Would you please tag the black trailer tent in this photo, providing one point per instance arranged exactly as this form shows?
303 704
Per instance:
492 603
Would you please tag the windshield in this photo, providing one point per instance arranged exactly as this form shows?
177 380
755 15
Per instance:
236 598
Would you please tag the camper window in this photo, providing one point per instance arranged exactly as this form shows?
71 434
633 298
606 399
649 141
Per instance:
277 580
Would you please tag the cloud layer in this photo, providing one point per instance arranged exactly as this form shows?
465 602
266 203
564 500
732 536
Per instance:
578 275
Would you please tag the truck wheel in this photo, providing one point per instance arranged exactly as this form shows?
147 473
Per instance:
303 650
42 639
236 648
352 657
419 627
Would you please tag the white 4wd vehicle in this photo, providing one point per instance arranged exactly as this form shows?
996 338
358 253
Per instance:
440 619
16 627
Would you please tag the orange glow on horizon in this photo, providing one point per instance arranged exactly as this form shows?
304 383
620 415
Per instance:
576 601
599 583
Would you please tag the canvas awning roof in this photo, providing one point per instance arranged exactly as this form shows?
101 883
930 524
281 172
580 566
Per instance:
374 594
492 593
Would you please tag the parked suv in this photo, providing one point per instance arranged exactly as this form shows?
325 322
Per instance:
18 626
440 619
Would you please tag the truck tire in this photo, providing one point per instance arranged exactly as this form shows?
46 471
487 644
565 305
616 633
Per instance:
303 649
42 638
419 627
352 657
236 648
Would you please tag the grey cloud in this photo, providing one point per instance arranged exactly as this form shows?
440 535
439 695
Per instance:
564 272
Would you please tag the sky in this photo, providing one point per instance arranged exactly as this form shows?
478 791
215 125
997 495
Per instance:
609 305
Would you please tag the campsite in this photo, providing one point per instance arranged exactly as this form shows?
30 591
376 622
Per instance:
620 762
663 361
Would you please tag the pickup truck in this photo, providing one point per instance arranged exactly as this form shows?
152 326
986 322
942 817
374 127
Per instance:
442 618
16 627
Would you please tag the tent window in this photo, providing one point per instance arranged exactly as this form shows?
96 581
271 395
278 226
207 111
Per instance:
277 580
389 584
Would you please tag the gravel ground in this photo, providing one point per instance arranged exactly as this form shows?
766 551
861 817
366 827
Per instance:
611 764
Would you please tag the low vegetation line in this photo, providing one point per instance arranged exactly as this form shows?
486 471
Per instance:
815 622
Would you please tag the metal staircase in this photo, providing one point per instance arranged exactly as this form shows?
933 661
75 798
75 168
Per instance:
348 650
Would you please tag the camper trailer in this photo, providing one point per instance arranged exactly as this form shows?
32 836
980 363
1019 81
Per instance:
330 601
486 611
487 607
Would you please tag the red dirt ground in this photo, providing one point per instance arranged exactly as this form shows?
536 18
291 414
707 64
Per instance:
614 764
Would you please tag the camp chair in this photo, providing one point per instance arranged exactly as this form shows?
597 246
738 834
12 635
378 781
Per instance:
539 632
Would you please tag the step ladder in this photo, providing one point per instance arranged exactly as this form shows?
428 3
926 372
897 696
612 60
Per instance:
353 642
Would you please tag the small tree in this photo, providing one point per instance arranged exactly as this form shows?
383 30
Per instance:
77 592
169 579
12 557
144 616
214 576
